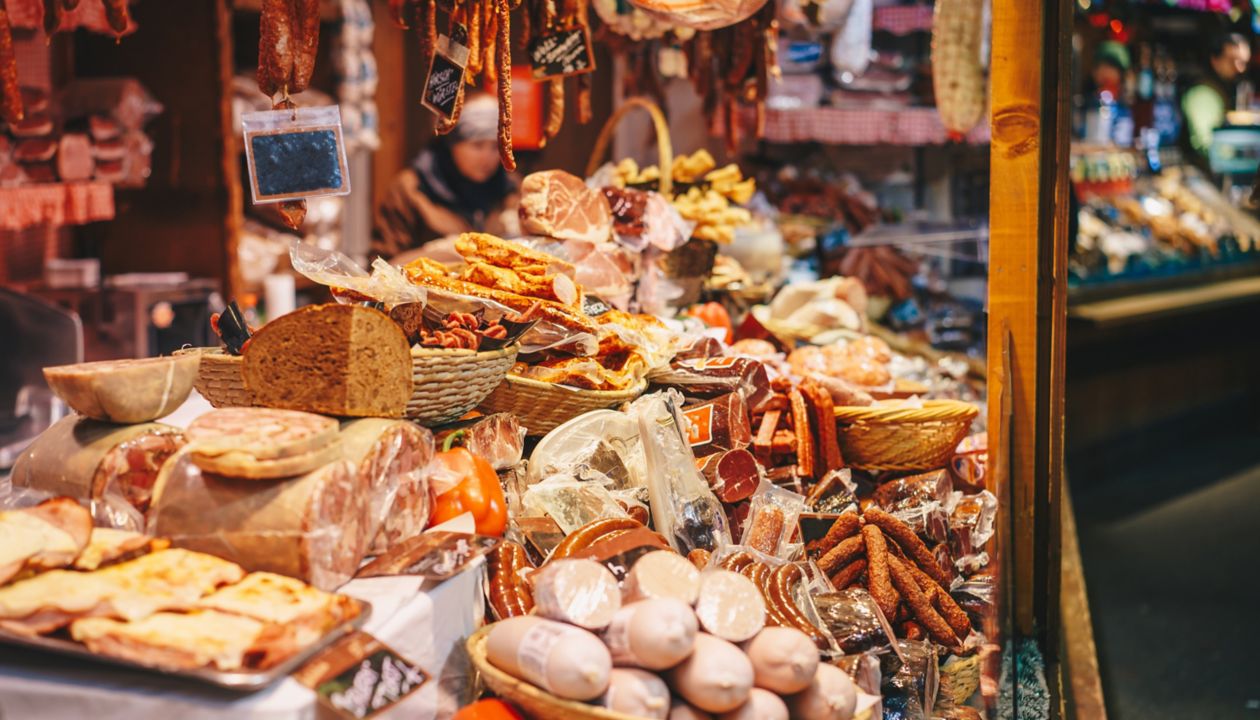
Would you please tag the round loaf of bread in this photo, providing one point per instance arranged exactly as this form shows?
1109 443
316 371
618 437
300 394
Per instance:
343 360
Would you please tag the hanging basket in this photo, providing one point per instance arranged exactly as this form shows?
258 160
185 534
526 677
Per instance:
896 438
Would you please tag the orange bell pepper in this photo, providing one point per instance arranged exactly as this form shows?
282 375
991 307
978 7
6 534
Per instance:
714 315
477 490
492 709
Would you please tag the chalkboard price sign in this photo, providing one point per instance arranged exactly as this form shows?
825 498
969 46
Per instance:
295 154
445 82
562 53
358 677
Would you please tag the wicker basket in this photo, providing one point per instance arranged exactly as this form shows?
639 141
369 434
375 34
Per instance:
889 438
219 378
449 383
664 147
960 678
542 407
536 703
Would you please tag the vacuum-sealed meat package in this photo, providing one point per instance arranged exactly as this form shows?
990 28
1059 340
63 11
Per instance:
111 468
315 527
711 377
684 509
720 424
391 458
498 439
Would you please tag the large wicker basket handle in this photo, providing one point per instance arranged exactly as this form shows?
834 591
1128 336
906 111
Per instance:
664 148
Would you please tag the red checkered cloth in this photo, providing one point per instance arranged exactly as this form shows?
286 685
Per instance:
843 126
55 204
90 15
903 19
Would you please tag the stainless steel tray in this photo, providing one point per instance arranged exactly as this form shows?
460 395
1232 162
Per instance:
244 681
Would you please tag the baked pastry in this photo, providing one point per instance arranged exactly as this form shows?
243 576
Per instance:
203 638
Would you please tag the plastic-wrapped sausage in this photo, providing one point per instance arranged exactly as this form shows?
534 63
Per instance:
577 591
716 678
662 574
654 634
784 659
761 705
565 661
832 695
636 693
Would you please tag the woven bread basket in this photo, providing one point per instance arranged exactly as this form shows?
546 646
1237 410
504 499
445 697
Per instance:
542 407
449 383
219 378
537 703
891 438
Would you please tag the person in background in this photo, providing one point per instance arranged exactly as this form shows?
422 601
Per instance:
455 185
1204 105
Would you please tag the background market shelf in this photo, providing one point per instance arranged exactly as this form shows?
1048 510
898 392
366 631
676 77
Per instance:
903 19
853 126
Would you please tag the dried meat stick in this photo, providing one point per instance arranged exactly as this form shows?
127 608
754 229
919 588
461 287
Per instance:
475 20
399 12
845 527
118 17
757 573
11 100
589 533
849 574
305 42
841 554
426 31
521 596
943 601
504 40
763 442
500 565
53 13
804 436
877 580
555 108
920 606
901 534
526 20
910 630
489 43
275 46
823 412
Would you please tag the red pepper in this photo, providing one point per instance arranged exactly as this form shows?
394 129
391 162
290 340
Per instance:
714 315
477 491
492 709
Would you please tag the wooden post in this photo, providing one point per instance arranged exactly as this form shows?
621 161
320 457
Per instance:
1027 298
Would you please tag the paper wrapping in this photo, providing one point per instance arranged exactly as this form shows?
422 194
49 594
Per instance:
314 527
111 468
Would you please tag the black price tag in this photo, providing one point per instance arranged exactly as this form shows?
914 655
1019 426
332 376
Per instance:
359 677
444 84
562 53
296 153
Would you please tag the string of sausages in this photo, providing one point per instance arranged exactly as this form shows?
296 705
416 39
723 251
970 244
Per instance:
11 109
288 42
732 66
462 331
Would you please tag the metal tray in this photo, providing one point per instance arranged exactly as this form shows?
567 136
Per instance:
244 681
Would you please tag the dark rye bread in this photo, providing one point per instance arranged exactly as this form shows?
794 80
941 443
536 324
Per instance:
342 360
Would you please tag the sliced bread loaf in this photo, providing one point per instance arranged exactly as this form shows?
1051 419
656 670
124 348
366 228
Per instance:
342 360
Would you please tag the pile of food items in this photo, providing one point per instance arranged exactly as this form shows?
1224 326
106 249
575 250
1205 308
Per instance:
713 497
131 597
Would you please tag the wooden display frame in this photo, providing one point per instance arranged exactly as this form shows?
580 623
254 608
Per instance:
1028 310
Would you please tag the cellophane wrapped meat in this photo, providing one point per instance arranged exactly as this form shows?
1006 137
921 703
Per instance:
684 509
391 458
111 468
853 619
498 439
314 527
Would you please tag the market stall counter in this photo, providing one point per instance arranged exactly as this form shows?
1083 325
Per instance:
424 623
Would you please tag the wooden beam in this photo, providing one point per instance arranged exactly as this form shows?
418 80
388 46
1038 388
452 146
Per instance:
1027 295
